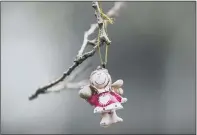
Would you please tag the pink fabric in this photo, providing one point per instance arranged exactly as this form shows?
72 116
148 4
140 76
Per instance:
114 98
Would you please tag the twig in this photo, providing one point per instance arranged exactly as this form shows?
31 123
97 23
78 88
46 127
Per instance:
76 63
80 56
79 71
68 83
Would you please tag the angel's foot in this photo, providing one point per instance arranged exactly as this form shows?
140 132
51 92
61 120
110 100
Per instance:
106 120
104 125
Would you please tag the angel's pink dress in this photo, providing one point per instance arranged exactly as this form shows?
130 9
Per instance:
105 101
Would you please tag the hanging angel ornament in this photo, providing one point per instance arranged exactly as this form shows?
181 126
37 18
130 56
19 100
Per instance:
101 93
104 95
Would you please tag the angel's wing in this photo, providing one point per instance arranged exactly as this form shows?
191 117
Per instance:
118 83
116 86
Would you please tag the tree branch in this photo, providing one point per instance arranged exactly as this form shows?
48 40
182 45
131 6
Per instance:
80 56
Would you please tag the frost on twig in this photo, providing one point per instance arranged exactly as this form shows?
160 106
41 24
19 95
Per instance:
81 56
67 85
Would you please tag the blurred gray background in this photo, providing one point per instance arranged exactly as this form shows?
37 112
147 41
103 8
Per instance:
153 50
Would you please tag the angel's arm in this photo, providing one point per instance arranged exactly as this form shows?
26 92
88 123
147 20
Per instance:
85 92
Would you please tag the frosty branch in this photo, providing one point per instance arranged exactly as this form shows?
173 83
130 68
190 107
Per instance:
81 56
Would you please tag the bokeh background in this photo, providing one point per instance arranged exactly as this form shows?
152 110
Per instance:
153 50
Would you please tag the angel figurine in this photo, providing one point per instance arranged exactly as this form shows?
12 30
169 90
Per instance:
104 96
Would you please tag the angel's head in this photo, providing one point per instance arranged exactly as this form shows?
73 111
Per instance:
100 78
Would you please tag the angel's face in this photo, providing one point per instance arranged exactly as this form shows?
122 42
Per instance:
100 78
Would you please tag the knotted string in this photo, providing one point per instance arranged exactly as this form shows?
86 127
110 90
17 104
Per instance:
104 16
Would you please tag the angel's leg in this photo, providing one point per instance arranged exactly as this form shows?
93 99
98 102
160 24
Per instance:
115 117
106 119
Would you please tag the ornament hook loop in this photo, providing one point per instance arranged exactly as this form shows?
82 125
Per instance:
103 65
